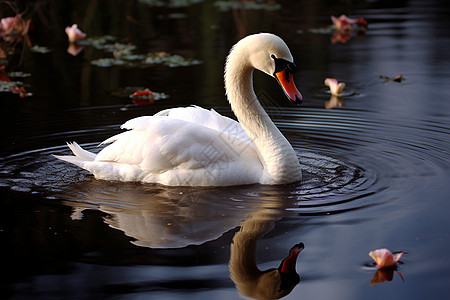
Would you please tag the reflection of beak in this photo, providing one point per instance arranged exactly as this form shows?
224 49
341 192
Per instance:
286 80
288 274
288 264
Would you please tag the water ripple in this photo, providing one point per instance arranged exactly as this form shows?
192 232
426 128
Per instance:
351 159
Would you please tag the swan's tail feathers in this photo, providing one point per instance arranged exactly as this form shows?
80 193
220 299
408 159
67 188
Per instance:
80 152
81 156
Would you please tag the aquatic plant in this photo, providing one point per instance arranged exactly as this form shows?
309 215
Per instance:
248 5
40 49
143 60
11 86
171 3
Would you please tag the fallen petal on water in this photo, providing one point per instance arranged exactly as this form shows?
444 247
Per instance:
336 87
143 97
346 24
384 258
74 34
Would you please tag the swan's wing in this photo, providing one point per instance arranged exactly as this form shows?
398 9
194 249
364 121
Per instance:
204 117
157 144
198 115
176 148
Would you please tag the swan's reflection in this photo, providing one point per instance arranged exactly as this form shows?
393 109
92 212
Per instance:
162 217
250 281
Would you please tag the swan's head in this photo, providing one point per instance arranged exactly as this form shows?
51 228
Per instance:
269 54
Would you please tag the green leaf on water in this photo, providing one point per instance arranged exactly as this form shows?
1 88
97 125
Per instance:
39 49
108 62
248 5
170 3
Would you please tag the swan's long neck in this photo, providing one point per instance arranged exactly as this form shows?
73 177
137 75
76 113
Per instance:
280 162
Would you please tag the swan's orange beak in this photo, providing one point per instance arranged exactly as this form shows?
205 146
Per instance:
286 80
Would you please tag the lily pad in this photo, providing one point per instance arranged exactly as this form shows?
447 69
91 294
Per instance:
108 62
140 60
19 74
40 49
169 60
248 5
6 86
15 87
171 3
97 42
107 43
124 55
118 47
129 56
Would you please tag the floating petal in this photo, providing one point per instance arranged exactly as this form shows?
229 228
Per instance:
346 24
336 87
384 258
74 33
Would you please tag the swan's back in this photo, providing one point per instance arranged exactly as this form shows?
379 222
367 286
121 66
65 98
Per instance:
180 146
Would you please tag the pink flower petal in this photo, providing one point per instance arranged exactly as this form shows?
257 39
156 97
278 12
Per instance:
397 256
14 26
74 33
344 18
346 24
342 23
336 87
384 258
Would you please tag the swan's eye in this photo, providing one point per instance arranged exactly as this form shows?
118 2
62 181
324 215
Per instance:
282 64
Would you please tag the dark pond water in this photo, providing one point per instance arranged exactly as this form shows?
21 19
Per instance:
376 161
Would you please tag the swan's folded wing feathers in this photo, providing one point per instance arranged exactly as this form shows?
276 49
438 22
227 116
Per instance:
162 144
168 149
139 123
138 148
194 146
113 138
229 129
208 118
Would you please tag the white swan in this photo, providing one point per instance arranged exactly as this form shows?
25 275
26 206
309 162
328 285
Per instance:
198 147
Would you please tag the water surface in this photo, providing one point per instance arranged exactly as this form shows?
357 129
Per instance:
376 162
